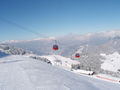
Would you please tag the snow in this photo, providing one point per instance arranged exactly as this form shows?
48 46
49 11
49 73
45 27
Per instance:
23 73
2 54
108 78
111 62
80 49
61 61
83 72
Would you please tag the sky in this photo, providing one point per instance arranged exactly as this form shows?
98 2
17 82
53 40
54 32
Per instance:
28 19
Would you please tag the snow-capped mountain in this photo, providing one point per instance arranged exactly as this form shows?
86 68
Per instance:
68 44
9 49
90 46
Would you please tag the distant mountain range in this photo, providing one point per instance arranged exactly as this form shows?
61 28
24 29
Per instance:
90 46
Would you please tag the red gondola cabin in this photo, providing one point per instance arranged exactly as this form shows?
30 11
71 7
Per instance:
77 55
55 47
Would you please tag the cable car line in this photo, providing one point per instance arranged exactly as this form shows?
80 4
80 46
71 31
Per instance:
20 26
55 45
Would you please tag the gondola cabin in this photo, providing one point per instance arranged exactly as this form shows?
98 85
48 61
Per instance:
77 55
55 47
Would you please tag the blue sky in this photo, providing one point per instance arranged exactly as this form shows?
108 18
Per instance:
56 17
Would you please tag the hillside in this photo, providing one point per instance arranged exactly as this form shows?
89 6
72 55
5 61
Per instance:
23 73
90 46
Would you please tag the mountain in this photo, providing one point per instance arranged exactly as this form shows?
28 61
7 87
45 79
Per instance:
90 46
68 44
23 73
10 49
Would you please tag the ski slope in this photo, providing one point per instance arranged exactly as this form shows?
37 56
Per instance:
23 73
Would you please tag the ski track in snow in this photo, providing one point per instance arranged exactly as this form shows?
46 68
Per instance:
23 73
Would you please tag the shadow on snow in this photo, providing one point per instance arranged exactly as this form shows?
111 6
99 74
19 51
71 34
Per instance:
3 54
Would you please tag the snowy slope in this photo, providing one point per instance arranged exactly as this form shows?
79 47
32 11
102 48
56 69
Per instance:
111 62
23 73
90 46
61 61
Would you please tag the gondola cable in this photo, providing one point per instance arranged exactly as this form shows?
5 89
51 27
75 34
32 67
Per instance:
20 26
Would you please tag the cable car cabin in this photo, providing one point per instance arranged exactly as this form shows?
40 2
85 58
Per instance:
55 47
77 55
